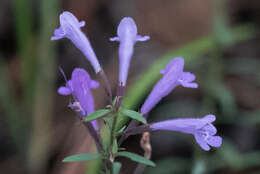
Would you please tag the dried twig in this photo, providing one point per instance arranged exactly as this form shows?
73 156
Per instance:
146 146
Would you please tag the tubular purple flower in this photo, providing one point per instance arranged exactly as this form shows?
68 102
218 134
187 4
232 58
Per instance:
79 86
173 76
70 28
202 129
127 36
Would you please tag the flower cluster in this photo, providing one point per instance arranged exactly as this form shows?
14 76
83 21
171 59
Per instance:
201 128
172 76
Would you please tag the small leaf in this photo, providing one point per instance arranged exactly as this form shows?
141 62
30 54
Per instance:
109 106
115 101
136 158
116 167
115 147
81 157
121 148
97 114
134 115
120 131
109 121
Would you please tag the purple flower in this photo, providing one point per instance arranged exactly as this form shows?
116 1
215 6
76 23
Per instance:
202 129
127 36
79 87
70 28
173 76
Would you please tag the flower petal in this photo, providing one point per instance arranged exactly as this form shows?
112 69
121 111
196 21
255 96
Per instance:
70 28
64 90
180 125
205 120
94 84
127 28
82 23
188 85
215 141
188 77
209 118
162 71
69 85
200 140
95 124
210 129
69 21
165 85
80 83
58 34
176 63
127 36
114 39
142 38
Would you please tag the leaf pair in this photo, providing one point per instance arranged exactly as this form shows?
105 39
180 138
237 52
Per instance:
88 157
129 113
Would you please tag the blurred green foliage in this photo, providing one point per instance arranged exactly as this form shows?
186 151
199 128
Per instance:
28 114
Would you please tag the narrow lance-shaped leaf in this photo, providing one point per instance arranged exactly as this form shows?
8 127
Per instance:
82 157
115 101
115 147
116 167
136 158
134 115
120 131
97 114
109 121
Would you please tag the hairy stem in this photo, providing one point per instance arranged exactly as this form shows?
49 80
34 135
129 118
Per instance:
106 83
131 125
113 132
146 146
95 136
120 95
133 130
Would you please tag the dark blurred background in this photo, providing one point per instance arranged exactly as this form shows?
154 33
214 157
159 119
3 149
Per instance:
219 40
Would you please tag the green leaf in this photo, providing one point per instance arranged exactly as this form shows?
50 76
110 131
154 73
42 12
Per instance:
121 148
109 106
136 158
120 131
97 114
109 121
115 147
199 167
134 115
115 101
81 157
116 167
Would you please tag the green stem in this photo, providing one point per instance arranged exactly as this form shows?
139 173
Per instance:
95 135
112 137
110 156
